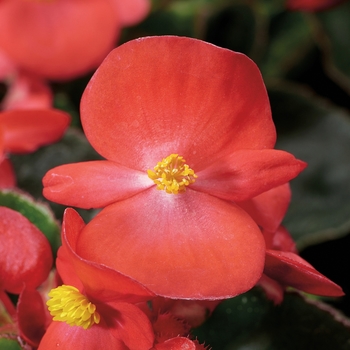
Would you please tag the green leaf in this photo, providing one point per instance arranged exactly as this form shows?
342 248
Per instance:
250 321
9 344
38 214
233 27
319 134
290 38
334 41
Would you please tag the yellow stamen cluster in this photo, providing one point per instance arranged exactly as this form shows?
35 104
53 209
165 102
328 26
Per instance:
172 174
68 305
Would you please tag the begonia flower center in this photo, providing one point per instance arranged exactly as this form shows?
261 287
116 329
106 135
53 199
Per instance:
68 305
172 174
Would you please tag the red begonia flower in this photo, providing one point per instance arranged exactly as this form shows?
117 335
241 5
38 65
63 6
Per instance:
25 253
58 39
122 325
166 98
24 131
284 266
312 5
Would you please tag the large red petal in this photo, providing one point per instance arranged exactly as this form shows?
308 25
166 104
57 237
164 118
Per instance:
290 269
25 253
155 96
94 184
245 174
131 11
269 208
99 282
190 245
26 130
58 39
31 316
60 335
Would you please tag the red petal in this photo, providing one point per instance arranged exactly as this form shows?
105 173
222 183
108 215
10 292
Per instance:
61 335
33 36
7 174
190 245
290 269
25 253
245 174
155 96
27 130
100 282
132 11
31 316
128 323
269 208
93 184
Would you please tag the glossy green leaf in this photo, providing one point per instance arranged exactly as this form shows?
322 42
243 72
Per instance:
250 321
38 214
319 134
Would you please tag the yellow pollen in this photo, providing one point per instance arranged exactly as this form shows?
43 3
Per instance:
68 305
172 174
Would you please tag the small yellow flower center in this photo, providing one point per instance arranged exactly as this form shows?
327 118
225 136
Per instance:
172 174
68 305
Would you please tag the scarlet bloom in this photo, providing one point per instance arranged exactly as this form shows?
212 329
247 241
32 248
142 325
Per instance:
94 309
312 5
187 132
60 39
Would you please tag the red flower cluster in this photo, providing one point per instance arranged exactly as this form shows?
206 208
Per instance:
192 192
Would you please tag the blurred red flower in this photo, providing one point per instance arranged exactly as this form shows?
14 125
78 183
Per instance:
95 307
24 131
176 229
61 39
312 5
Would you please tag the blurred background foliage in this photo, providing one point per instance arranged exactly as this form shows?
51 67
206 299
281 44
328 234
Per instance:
305 62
